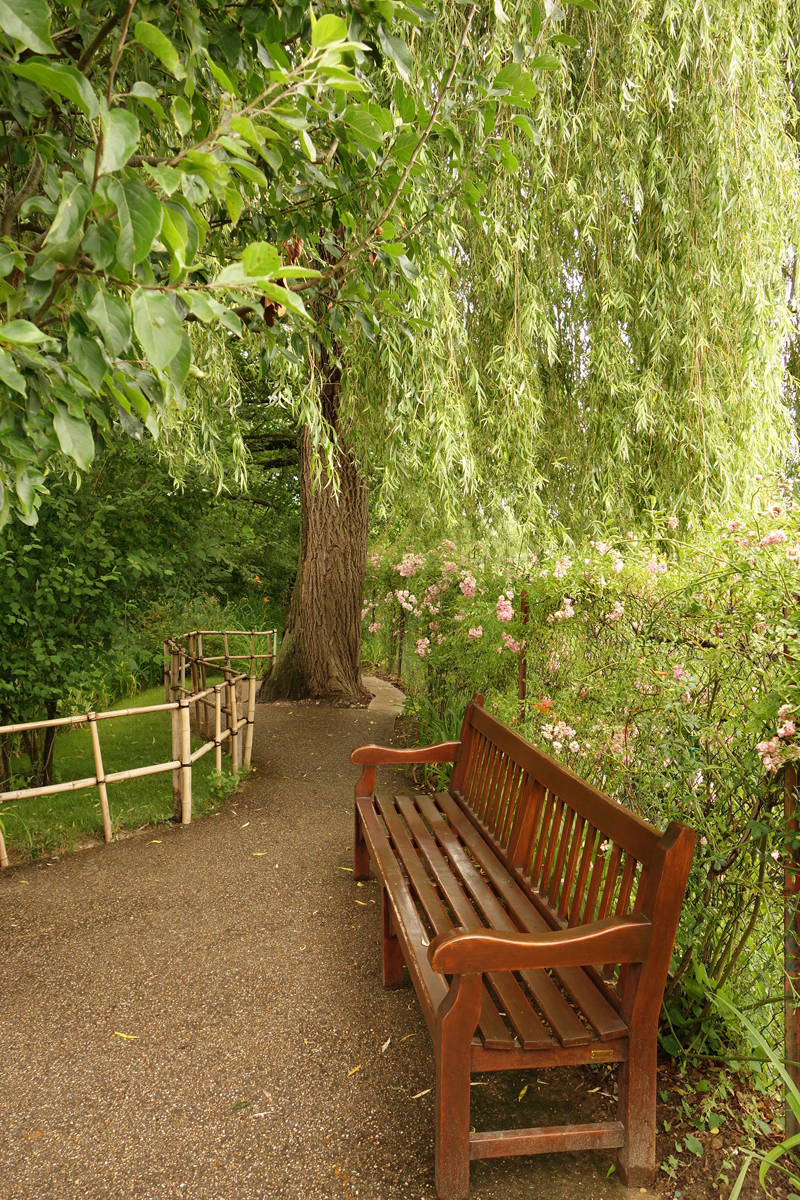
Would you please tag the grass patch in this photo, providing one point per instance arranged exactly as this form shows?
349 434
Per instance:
45 824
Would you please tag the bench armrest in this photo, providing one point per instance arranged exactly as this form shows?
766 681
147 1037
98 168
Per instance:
373 756
470 951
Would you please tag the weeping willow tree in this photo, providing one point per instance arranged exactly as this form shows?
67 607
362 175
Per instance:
609 338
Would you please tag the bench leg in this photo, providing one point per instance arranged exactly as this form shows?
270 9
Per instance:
360 852
392 950
636 1083
456 1022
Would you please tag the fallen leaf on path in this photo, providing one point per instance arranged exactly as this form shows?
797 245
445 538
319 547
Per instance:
350 869
408 1035
260 854
155 842
133 1037
597 1089
358 1068
363 903
522 1093
385 1045
245 825
422 1093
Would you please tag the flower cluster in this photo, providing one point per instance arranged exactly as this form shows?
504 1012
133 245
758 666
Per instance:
407 600
476 633
780 749
617 612
654 567
510 644
616 558
559 733
774 538
423 647
468 585
564 613
561 567
505 610
410 565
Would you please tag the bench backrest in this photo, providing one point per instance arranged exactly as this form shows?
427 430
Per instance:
580 855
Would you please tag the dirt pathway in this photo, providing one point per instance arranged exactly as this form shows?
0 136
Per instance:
241 963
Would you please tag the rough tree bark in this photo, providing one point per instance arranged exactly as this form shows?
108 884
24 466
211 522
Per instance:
320 654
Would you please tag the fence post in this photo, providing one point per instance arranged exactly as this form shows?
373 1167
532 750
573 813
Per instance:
251 717
791 941
522 686
186 763
167 680
174 696
218 728
101 776
234 719
3 851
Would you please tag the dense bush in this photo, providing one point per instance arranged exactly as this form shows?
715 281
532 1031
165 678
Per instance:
657 671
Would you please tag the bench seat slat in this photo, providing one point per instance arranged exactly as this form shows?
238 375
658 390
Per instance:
568 1029
528 1027
597 1010
431 988
491 1029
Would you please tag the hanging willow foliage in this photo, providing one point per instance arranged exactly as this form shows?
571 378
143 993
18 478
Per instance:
609 338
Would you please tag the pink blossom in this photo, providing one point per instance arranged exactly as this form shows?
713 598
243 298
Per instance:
734 526
505 612
448 545
511 645
374 627
775 854
423 647
449 568
784 711
793 553
774 538
468 584
460 617
679 673
476 633
410 565
788 729
574 747
617 612
364 612
561 567
655 567
775 509
617 565
673 522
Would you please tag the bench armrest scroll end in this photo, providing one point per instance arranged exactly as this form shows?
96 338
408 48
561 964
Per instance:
614 940
386 755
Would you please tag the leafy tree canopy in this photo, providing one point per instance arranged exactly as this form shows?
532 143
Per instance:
198 166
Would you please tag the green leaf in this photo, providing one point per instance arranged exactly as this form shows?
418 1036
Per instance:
536 21
234 203
120 138
155 41
590 4
182 116
224 80
149 96
365 128
157 326
248 171
692 1144
76 200
290 300
21 333
74 436
500 12
28 21
565 39
545 62
308 146
9 374
139 217
112 317
53 77
167 178
526 125
199 306
262 260
88 358
329 30
396 49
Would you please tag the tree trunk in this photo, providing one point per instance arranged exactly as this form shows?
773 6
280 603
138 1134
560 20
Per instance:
320 654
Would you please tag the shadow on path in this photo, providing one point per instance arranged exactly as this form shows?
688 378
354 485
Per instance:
241 963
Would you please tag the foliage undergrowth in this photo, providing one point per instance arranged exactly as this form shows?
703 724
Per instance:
655 671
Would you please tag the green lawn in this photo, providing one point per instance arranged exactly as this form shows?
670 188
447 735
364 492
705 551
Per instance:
45 824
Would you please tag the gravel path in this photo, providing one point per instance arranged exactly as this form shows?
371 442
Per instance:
240 963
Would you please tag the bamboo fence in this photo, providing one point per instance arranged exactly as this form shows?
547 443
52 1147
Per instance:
213 711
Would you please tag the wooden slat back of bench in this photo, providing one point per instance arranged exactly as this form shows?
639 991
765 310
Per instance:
582 856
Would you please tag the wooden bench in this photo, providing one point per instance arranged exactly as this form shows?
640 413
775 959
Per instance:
536 918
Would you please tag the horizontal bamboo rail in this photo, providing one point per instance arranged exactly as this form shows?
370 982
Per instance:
179 702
